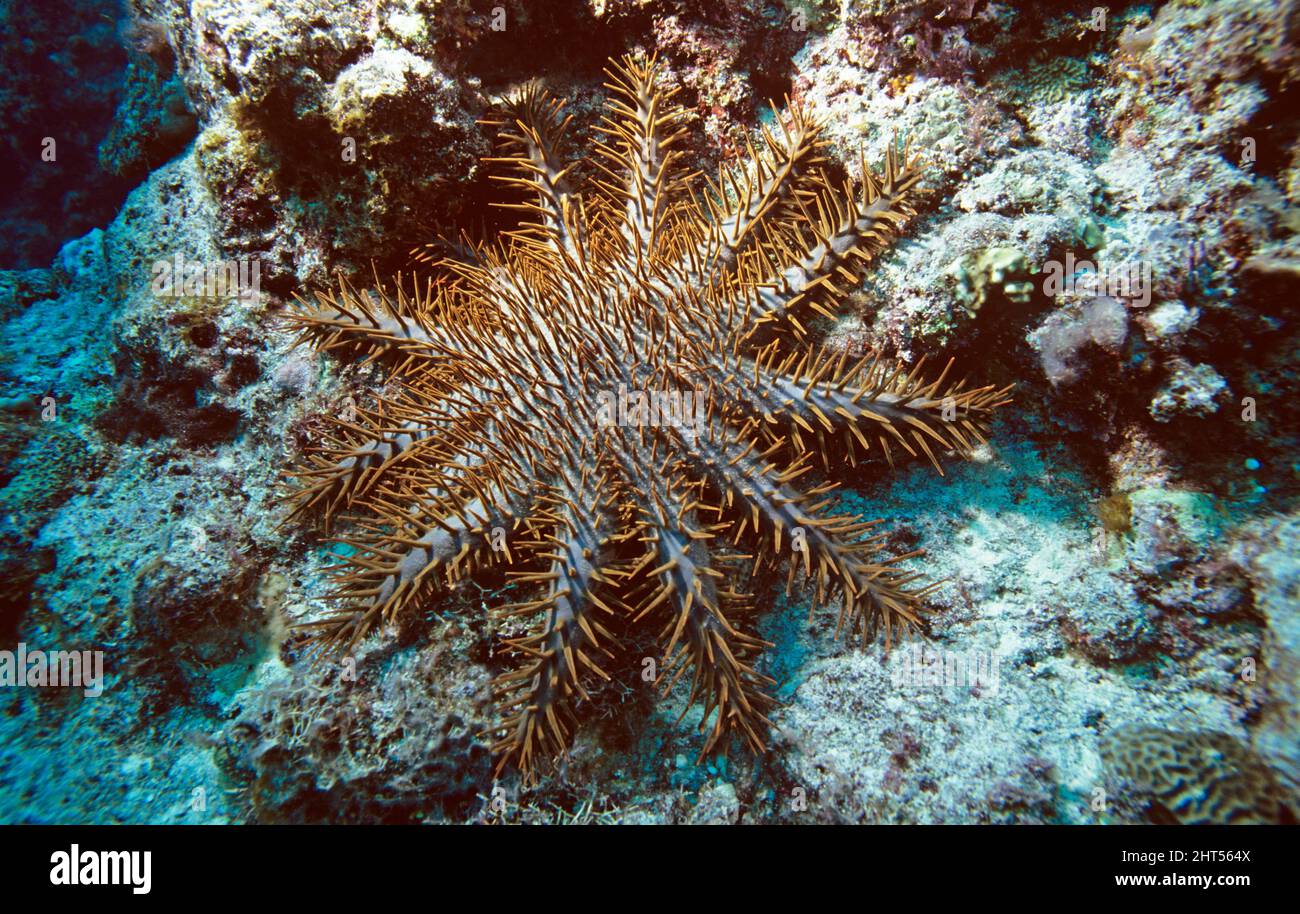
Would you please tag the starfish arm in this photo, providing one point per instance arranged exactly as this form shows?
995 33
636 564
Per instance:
434 422
815 266
330 478
535 700
397 327
392 560
642 183
677 583
874 399
534 127
700 637
758 505
744 206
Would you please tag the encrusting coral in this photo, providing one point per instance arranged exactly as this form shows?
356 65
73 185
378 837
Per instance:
530 426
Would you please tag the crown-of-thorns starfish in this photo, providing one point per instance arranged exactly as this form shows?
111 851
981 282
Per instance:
504 443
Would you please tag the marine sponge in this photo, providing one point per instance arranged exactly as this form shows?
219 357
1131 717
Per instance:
1063 337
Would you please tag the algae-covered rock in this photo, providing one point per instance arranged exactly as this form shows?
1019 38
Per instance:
1191 390
153 122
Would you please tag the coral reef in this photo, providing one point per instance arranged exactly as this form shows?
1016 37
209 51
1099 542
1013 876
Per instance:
1125 547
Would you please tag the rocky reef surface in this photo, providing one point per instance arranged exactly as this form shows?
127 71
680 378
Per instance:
1110 223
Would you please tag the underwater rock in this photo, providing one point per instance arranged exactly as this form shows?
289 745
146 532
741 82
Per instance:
19 288
300 101
393 744
264 52
979 274
1067 125
1269 550
189 608
716 804
1029 181
62 75
1168 321
1115 628
45 464
1191 390
54 458
1170 528
56 345
153 122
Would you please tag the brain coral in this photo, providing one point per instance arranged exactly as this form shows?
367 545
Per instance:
1199 777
